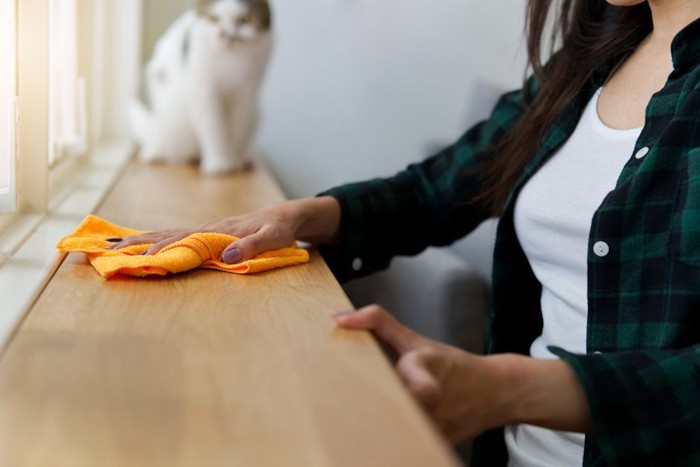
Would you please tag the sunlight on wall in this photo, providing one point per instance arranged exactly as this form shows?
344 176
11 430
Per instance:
119 66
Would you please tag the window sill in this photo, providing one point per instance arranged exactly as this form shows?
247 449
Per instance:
28 256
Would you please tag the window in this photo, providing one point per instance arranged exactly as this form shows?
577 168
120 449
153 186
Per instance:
67 99
8 105
61 58
73 65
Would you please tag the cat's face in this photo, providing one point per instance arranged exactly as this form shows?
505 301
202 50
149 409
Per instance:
237 21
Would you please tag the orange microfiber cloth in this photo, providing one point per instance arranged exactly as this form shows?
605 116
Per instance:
198 250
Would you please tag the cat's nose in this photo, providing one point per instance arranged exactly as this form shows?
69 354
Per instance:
230 38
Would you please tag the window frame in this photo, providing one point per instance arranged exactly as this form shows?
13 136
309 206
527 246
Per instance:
67 99
8 105
104 29
52 201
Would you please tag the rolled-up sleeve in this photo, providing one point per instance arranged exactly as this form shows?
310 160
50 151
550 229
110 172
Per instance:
644 403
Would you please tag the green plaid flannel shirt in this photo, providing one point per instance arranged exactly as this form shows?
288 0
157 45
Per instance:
641 373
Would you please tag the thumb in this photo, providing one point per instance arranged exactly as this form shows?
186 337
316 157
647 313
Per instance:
250 246
414 370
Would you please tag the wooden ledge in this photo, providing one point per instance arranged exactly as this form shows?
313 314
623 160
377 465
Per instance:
204 368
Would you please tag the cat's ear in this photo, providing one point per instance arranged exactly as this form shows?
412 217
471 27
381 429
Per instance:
260 13
204 10
203 6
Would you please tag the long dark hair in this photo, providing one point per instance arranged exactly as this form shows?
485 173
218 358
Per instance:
592 35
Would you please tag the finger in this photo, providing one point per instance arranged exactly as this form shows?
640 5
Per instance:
141 239
156 247
265 239
414 370
376 319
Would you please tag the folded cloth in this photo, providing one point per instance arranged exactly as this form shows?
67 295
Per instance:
199 250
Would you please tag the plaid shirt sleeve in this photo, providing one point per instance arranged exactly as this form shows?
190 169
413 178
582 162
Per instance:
426 204
645 404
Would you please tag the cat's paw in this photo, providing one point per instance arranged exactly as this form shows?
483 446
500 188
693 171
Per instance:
250 156
220 167
150 154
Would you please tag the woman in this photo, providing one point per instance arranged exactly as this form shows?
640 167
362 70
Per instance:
594 171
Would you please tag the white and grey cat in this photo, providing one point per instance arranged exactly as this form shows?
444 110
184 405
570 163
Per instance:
200 93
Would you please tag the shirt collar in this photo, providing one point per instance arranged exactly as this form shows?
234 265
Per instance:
685 48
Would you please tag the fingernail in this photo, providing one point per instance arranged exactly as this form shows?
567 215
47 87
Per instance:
232 256
343 313
114 240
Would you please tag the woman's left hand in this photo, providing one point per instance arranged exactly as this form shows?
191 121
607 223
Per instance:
466 394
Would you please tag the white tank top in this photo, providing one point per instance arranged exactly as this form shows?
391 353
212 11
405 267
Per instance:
553 215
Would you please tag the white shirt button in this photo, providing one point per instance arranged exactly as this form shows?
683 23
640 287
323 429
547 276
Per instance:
356 264
601 249
642 152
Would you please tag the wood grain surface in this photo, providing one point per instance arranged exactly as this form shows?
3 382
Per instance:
204 368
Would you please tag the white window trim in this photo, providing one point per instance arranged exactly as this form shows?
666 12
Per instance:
68 101
8 104
28 256
8 201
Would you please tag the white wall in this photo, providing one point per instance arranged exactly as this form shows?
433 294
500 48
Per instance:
360 88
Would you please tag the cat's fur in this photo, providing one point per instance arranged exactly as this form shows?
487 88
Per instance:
200 90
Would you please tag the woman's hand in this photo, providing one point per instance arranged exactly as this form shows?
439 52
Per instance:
277 226
466 394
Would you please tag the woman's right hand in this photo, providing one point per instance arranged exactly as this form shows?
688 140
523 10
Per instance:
277 226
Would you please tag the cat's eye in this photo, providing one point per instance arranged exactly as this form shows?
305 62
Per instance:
208 15
240 21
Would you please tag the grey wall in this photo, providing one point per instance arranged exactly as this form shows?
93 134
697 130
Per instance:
360 88
157 15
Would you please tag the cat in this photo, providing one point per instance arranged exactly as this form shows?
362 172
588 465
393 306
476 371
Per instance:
200 90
